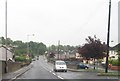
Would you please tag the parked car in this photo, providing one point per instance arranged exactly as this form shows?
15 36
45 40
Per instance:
82 66
60 65
33 59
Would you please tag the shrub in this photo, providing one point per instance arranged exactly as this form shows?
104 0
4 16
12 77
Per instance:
22 59
110 61
115 62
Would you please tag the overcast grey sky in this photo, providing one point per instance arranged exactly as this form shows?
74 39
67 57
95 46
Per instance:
70 21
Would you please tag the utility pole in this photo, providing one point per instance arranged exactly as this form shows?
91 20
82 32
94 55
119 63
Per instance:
58 49
6 66
108 37
28 46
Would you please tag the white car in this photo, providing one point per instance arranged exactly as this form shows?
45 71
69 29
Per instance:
60 65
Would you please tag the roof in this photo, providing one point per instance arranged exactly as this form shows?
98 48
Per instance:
5 47
2 46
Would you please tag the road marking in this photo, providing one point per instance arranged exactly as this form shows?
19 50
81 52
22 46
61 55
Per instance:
53 73
14 78
60 77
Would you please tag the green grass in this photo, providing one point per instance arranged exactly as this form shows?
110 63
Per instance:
99 72
87 70
95 70
109 74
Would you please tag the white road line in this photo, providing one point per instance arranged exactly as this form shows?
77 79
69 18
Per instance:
53 73
14 78
60 77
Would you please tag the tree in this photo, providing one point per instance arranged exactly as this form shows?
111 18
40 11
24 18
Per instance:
93 49
53 48
2 40
42 48
37 48
21 47
9 41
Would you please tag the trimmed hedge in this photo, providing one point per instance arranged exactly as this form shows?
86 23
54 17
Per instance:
21 59
115 62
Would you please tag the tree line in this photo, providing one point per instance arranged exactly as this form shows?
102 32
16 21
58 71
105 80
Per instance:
93 48
35 48
19 47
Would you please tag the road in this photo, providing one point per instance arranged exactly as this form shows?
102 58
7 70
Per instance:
43 70
38 71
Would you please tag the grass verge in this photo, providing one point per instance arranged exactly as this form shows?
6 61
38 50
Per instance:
99 72
109 74
86 70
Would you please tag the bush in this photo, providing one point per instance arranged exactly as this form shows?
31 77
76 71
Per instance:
115 62
22 59
110 61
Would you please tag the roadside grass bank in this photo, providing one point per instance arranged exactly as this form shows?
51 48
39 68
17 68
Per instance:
99 72
85 70
109 74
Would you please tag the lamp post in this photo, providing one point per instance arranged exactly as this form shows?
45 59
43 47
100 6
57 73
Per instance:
28 52
108 36
58 49
6 66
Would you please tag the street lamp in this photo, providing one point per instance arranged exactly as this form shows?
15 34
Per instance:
6 66
58 49
108 36
28 43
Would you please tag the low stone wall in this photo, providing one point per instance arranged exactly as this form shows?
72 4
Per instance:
71 66
0 67
12 66
115 67
72 63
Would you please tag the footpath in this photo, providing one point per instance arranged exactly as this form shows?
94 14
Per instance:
13 75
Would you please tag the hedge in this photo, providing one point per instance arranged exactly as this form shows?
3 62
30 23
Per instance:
115 62
21 59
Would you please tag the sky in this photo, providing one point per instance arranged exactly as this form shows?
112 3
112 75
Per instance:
70 21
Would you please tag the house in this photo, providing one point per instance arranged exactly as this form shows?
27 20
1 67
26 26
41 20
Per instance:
113 54
10 54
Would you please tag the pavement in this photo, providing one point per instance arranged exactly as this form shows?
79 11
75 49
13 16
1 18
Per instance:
13 75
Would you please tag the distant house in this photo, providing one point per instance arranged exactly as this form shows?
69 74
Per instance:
113 54
10 55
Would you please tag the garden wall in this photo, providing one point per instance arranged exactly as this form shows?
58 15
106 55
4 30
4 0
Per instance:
12 66
114 67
